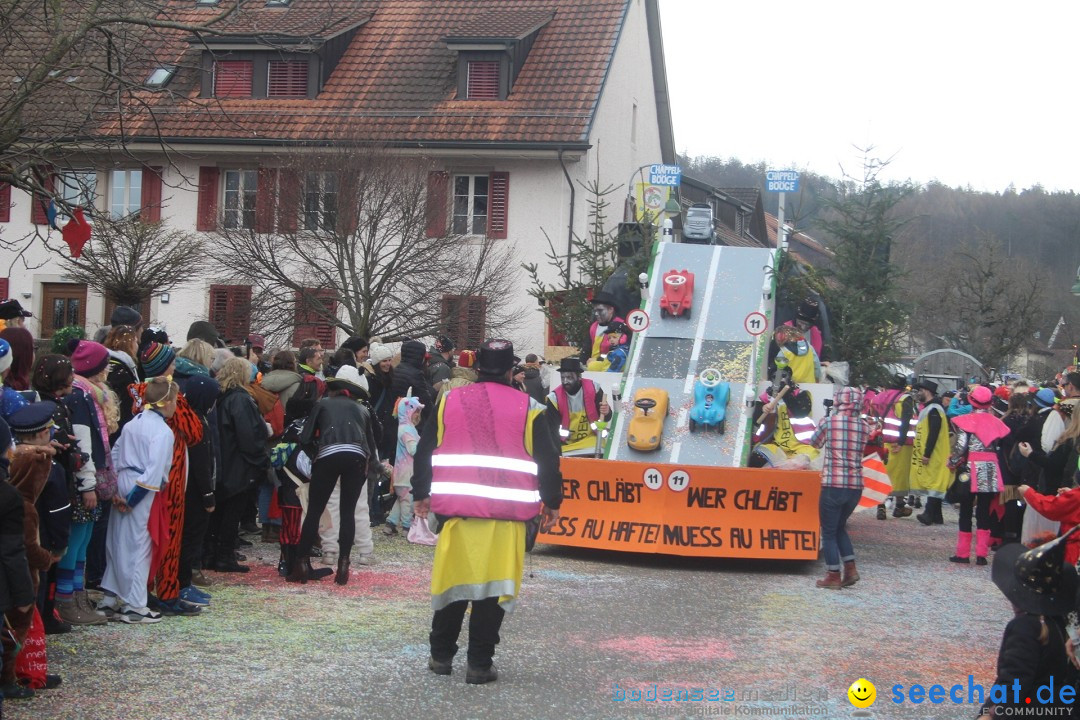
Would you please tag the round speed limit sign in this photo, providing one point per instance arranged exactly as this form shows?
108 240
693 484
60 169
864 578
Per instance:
637 320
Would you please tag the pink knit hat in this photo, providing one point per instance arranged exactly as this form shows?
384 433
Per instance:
980 397
89 358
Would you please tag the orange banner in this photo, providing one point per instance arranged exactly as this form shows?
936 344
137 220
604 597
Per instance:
688 510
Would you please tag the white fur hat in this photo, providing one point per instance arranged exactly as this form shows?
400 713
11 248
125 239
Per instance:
349 376
378 352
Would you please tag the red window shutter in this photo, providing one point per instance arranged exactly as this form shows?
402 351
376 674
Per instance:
230 311
313 322
287 79
498 204
264 200
232 78
289 194
437 186
348 204
555 303
150 203
4 288
208 199
5 206
40 203
483 80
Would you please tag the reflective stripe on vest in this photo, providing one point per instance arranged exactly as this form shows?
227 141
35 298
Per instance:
481 467
803 428
485 461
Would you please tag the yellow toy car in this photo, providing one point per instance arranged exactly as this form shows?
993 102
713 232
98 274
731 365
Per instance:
647 423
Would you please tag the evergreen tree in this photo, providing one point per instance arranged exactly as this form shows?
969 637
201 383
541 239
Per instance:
861 286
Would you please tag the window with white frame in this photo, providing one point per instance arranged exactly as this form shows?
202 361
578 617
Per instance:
470 204
320 200
125 193
240 193
77 188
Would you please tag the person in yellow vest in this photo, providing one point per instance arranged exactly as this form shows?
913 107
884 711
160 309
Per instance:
783 424
486 465
930 471
575 404
797 355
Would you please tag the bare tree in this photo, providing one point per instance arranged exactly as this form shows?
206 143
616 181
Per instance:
350 247
979 301
128 260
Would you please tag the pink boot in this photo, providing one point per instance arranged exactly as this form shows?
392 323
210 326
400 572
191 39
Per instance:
963 548
982 546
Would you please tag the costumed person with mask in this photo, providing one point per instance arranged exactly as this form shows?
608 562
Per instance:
797 355
486 466
976 448
783 424
930 472
575 404
897 409
805 320
606 334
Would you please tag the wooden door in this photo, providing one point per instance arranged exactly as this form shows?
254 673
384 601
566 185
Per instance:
62 304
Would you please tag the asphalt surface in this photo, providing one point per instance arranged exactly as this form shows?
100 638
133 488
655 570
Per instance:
588 626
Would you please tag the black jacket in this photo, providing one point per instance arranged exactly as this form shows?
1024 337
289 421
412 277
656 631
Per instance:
244 438
438 369
16 587
534 385
54 510
120 377
1023 658
381 394
410 374
202 467
338 420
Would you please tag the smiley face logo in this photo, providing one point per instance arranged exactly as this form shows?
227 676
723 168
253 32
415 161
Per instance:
862 693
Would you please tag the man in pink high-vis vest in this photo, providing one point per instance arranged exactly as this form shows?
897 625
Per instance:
487 463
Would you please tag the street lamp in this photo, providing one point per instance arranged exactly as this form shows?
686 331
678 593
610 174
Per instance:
1076 285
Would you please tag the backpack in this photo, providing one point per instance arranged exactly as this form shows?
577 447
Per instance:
303 400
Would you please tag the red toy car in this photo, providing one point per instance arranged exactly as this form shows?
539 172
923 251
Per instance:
678 294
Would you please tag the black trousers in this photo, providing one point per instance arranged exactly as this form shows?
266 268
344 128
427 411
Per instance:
225 524
196 520
351 469
484 623
95 552
980 503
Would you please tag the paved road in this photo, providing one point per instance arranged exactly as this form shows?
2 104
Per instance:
586 622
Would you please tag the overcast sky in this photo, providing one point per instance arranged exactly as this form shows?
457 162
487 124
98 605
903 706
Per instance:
967 93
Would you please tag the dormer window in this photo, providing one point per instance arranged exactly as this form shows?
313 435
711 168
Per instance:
232 78
287 79
491 51
483 80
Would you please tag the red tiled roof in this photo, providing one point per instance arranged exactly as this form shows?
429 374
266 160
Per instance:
502 25
396 81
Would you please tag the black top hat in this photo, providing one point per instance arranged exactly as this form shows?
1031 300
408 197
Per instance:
495 357
1039 580
604 298
11 309
571 364
808 310
924 384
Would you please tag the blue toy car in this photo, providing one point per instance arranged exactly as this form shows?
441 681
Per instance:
710 401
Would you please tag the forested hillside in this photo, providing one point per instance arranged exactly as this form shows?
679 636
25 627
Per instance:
1006 249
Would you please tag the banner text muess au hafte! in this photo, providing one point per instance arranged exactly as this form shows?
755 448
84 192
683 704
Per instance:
680 510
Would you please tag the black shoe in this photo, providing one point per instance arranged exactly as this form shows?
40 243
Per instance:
55 626
925 518
251 528
481 676
241 542
980 561
917 503
962 560
53 681
229 565
16 692
440 667
239 557
882 512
